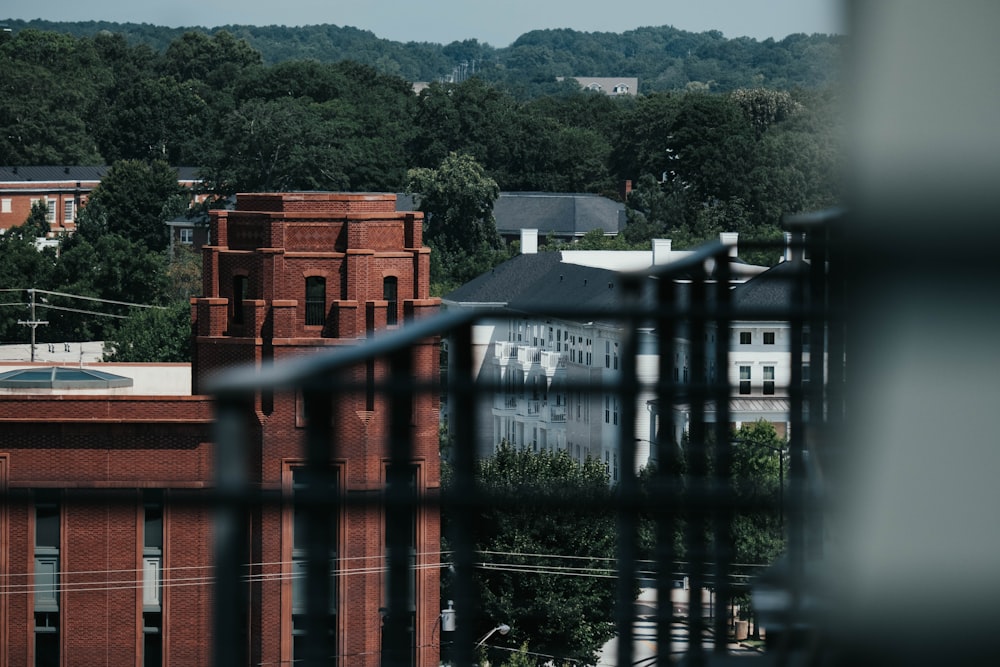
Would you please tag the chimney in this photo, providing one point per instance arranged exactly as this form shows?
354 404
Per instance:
730 239
529 241
626 189
661 251
793 247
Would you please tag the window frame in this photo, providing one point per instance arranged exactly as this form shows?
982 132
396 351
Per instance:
390 294
315 301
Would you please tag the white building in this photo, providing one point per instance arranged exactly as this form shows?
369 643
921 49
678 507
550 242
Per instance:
555 379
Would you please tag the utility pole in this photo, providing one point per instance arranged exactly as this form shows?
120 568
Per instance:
33 323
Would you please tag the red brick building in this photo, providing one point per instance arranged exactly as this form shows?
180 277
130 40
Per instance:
123 577
63 189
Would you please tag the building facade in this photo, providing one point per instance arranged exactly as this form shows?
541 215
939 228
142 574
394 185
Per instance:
64 190
557 379
105 530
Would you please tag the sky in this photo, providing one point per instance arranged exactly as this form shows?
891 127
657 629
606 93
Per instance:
497 22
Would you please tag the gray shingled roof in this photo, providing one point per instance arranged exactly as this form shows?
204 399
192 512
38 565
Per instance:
557 213
541 280
769 290
560 214
582 286
506 282
47 174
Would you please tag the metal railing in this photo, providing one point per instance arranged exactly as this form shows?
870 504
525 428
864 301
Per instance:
683 300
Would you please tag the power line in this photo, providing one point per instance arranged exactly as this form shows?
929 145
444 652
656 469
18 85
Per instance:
85 312
93 298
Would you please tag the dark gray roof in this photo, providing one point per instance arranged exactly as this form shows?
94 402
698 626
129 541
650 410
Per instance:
57 377
771 289
508 281
570 284
48 174
557 214
560 214
542 280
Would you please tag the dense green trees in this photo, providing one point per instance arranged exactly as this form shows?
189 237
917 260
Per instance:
701 160
134 201
153 334
662 57
565 616
457 201
117 257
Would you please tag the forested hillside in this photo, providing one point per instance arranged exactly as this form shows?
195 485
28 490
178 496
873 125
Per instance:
702 160
663 58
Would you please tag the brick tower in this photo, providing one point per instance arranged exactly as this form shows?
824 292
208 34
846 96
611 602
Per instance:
291 274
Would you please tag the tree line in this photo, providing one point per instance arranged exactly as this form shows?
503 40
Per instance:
700 161
661 57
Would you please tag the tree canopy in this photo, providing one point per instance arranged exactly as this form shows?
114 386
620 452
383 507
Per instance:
457 201
153 335
707 147
569 617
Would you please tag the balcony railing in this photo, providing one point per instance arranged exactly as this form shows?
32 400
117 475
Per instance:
681 300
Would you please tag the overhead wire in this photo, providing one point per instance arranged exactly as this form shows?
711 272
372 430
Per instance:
66 584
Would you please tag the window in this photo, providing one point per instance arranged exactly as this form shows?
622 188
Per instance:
186 235
315 301
744 338
769 380
768 338
805 374
390 287
50 210
300 538
615 358
607 409
744 379
607 354
47 580
69 209
239 293
152 569
5 206
398 652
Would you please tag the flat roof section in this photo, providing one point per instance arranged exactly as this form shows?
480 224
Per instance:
59 377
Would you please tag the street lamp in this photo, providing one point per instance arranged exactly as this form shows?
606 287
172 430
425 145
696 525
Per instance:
502 628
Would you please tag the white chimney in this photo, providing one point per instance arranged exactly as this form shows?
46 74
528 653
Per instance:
730 239
529 241
661 251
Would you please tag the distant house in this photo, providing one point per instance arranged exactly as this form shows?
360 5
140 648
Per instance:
63 189
609 85
192 229
561 216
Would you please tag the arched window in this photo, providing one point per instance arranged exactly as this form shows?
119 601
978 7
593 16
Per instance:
315 301
239 293
390 287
